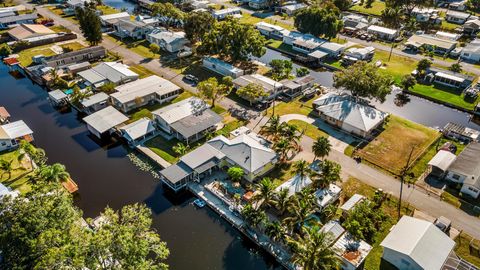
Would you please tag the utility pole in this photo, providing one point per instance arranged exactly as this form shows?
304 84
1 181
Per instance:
274 97
402 179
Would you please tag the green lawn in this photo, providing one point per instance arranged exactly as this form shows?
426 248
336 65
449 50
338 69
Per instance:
60 28
141 71
389 152
376 9
397 67
279 45
140 47
163 148
19 175
281 173
295 106
250 19
25 56
462 249
74 46
140 114
310 130
444 94
106 10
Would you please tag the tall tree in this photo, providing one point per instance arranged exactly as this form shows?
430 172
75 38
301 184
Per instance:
283 147
319 21
329 174
273 127
197 24
408 81
455 67
280 69
281 200
168 13
253 217
266 192
311 250
474 5
54 173
154 48
251 92
302 169
213 90
321 147
409 5
90 25
364 80
363 222
343 5
234 40
392 17
423 65
235 173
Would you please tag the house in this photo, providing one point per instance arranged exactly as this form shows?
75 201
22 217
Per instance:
138 131
448 36
333 50
431 43
353 23
26 31
471 52
104 122
223 13
110 19
426 15
353 55
471 27
291 9
295 184
295 87
258 4
188 120
449 78
383 32
465 170
245 151
72 4
459 6
351 252
94 103
202 4
326 196
149 90
351 203
147 20
271 31
272 88
125 28
105 72
4 115
304 43
12 133
83 55
345 112
415 244
440 163
457 17
76 68
461 133
167 40
221 67
6 191
11 21
58 97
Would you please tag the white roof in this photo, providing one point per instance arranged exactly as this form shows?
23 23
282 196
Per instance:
442 160
421 240
332 46
226 11
112 71
381 29
341 248
295 184
450 77
326 196
14 130
115 16
94 99
350 204
143 87
138 129
268 25
105 119
176 111
57 95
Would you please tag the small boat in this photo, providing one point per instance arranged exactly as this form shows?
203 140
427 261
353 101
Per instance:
199 203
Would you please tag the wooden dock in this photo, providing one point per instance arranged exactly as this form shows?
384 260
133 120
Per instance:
70 186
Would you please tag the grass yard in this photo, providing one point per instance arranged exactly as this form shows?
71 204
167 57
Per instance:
281 173
250 19
376 9
141 71
310 130
391 148
74 46
163 148
397 67
139 114
60 28
140 47
230 124
25 56
18 178
279 45
106 10
463 251
295 106
445 94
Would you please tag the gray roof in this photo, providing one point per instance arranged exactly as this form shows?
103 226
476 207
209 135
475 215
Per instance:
468 164
16 18
458 14
176 172
334 229
350 204
195 123
144 87
112 71
7 14
75 53
201 155
129 25
105 119
94 99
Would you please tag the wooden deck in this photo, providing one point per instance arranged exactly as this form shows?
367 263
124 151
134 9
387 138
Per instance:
70 186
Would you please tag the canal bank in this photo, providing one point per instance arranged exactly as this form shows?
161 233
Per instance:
197 238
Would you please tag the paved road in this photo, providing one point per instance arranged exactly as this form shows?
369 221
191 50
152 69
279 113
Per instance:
366 174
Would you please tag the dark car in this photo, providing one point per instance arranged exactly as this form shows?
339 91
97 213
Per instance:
191 78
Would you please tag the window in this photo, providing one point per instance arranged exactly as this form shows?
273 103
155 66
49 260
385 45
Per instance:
455 176
473 189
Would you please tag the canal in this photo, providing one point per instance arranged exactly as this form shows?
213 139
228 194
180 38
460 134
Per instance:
197 238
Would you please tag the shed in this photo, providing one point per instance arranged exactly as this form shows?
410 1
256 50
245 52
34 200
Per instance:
103 121
352 202
94 103
58 97
440 163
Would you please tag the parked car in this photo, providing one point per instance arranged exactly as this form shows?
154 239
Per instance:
443 224
191 78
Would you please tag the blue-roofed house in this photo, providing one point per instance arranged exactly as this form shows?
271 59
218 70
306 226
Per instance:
221 67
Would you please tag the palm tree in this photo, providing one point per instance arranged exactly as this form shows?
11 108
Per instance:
281 200
253 216
273 127
54 173
311 250
266 192
292 134
300 209
283 146
274 230
302 169
7 167
321 147
180 149
329 174
329 212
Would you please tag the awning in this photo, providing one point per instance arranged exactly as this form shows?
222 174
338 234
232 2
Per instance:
450 77
442 160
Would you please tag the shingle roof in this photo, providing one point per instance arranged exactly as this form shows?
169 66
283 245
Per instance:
201 155
181 109
112 71
176 172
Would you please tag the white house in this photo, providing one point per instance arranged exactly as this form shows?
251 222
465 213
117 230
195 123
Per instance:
223 13
271 87
291 9
109 19
94 103
457 17
383 32
167 40
471 52
104 122
126 28
327 196
424 15
465 170
114 72
258 4
149 90
137 131
271 30
221 67
360 54
415 244
12 133
471 27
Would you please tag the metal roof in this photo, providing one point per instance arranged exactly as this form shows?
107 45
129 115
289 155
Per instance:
442 160
94 99
57 95
112 71
334 228
350 204
201 155
176 172
143 87
14 130
380 29
138 129
180 110
468 164
105 119
420 240
195 123
295 184
16 18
